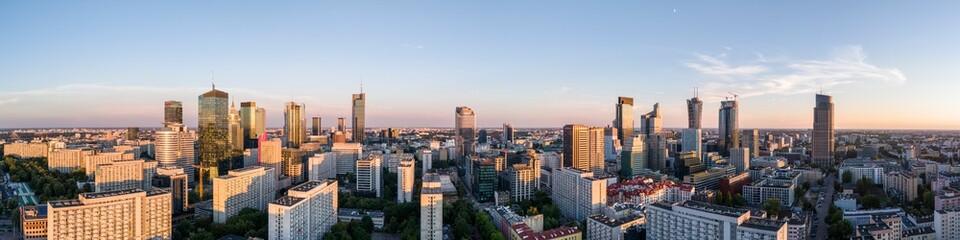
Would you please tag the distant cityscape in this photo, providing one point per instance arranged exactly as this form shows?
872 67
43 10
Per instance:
231 177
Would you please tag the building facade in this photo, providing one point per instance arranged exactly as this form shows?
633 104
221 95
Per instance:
122 214
307 212
431 208
405 175
466 132
369 175
249 187
729 127
823 134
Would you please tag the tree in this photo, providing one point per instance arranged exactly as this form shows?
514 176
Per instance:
738 200
461 229
772 206
847 176
820 182
840 230
366 223
870 201
928 200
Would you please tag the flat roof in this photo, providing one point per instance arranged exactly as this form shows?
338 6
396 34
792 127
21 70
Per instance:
763 224
613 222
286 201
65 203
359 212
96 195
307 186
715 209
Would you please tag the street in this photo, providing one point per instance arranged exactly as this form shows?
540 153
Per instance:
824 208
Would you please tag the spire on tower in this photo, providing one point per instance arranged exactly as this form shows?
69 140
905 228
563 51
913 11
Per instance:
361 84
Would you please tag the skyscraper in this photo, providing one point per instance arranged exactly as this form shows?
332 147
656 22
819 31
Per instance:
173 112
750 139
316 126
729 128
261 122
405 172
624 119
740 158
359 116
341 126
212 125
690 140
583 148
694 112
507 133
823 141
369 176
249 122
235 130
633 158
293 128
466 130
482 136
652 122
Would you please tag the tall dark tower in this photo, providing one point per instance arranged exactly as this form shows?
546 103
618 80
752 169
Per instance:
316 126
624 119
729 128
173 112
212 125
359 116
823 135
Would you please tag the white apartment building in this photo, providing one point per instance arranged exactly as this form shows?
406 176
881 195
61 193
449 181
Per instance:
426 158
431 208
863 169
307 212
699 220
249 187
26 150
524 181
740 158
125 174
347 156
946 224
322 166
122 214
405 174
369 176
67 160
92 161
578 194
759 192
601 227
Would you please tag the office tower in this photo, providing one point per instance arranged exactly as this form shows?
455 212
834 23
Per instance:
657 152
347 156
174 148
652 122
293 129
121 214
126 174
66 160
823 141
466 130
740 158
292 165
578 194
694 112
133 133
341 126
261 122
405 172
507 133
235 128
699 220
173 180
369 176
729 133
359 116
611 145
316 126
633 158
249 122
173 112
271 155
525 178
307 212
688 163
431 208
484 179
750 139
249 187
322 166
212 124
583 147
691 139
624 119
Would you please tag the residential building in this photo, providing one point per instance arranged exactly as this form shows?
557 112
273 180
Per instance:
946 223
292 166
307 211
33 222
583 147
578 194
270 154
249 187
863 168
369 175
347 215
66 160
431 208
759 192
322 166
405 176
174 180
643 191
26 150
904 184
347 155
121 214
762 229
699 220
127 174
740 158
601 227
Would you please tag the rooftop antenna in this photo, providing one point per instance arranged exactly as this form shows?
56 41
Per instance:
361 84
212 85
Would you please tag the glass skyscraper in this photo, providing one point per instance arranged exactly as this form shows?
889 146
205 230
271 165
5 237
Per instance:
624 119
729 129
823 140
212 124
173 112
359 116
466 131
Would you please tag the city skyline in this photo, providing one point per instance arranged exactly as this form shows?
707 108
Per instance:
562 66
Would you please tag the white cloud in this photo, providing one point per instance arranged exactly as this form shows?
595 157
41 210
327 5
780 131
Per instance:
784 76
412 46
6 101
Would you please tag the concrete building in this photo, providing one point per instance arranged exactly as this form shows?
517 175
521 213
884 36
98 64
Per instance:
863 168
583 147
174 148
369 175
426 159
26 150
104 158
126 174
405 176
740 158
643 191
347 156
359 116
946 223
601 227
292 166
758 192
122 214
348 215
750 139
823 134
271 155
431 208
694 112
33 222
174 180
66 160
903 184
578 194
249 187
699 220
709 179
307 212
762 229
691 140
322 166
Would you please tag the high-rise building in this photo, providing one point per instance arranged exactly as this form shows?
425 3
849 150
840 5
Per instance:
369 175
261 122
347 156
652 122
249 187
235 129
212 126
359 116
121 214
611 145
691 140
945 223
657 152
583 147
126 174
405 176
624 119
133 133
316 127
729 127
750 139
426 159
67 160
524 181
270 155
823 140
292 165
293 125
322 166
174 181
694 112
173 112
466 130
508 133
307 212
249 123
341 126
482 136
633 158
688 163
578 194
431 208
740 158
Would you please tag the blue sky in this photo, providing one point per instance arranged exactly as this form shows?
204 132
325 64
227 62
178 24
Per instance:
534 64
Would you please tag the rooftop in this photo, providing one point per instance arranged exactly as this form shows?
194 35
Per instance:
359 212
918 231
763 224
96 195
286 201
307 186
613 222
715 209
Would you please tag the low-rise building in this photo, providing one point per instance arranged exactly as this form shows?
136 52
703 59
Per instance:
759 192
33 222
645 191
601 227
351 214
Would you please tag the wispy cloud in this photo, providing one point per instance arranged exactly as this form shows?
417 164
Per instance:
6 101
412 46
784 76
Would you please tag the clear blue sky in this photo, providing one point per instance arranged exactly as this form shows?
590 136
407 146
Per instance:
532 63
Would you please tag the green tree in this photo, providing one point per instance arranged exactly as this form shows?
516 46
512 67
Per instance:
847 176
840 230
366 223
870 201
772 206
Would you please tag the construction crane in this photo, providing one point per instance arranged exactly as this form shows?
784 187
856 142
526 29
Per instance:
734 95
